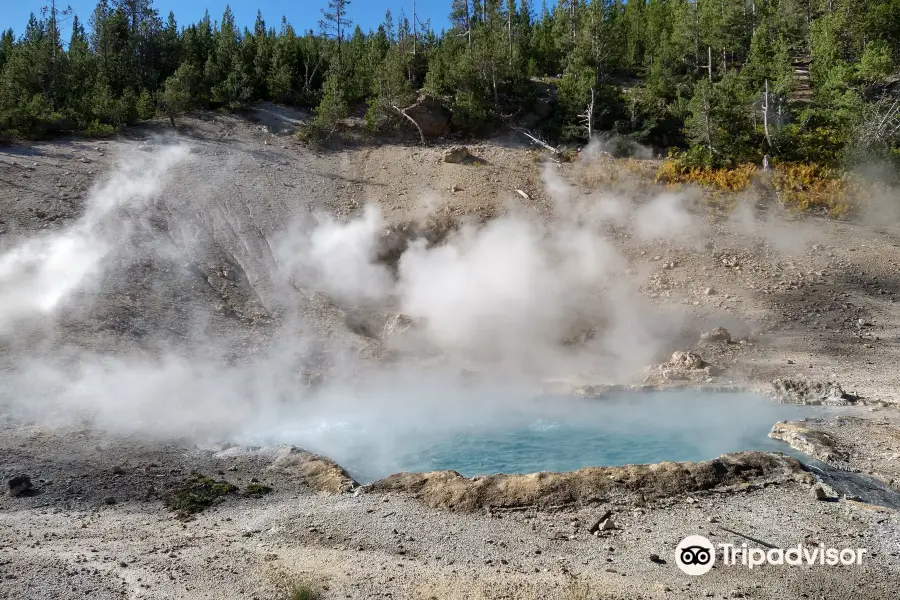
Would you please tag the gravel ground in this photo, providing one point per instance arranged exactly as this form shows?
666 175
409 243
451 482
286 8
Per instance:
804 299
69 542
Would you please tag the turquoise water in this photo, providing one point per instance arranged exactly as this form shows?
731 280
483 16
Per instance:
475 436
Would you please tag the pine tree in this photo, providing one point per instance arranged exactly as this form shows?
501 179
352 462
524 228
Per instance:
335 22
179 93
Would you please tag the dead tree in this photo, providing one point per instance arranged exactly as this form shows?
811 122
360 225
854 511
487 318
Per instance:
765 114
588 116
882 126
709 63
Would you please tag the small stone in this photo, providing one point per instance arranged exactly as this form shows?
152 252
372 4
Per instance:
595 528
713 519
709 291
109 500
819 493
20 484
654 558
607 525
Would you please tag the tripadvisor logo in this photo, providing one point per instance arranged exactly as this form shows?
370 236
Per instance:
696 555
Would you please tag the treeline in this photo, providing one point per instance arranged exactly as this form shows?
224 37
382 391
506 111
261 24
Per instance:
725 81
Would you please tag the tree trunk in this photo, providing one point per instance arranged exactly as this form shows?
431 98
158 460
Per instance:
590 117
509 36
765 112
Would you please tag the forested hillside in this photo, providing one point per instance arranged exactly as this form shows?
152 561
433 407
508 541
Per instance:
725 81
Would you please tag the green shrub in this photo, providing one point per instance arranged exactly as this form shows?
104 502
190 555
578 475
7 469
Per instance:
197 494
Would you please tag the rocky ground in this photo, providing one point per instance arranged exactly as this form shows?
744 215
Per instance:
805 302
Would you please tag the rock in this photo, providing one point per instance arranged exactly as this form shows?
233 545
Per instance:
686 360
804 391
656 559
20 484
530 121
398 325
599 522
430 115
719 334
709 291
607 525
819 493
456 154
109 500
543 108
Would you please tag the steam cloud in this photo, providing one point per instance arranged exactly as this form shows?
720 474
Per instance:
507 294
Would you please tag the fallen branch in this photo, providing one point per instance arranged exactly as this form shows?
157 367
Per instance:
540 143
747 537
402 111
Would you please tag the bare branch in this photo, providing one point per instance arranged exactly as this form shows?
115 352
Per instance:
402 111
537 141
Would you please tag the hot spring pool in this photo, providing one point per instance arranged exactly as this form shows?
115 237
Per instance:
477 436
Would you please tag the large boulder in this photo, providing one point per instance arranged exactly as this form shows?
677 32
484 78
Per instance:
804 391
456 154
430 115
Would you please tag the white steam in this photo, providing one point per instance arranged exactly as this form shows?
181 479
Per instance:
38 275
507 296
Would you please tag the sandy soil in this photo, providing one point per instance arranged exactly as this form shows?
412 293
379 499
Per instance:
804 299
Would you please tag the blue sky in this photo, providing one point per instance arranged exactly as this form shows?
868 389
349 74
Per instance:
302 14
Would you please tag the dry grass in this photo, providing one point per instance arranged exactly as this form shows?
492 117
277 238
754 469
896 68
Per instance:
303 591
804 187
737 179
811 187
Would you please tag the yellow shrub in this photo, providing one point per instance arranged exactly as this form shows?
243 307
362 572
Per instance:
735 179
812 187
802 186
